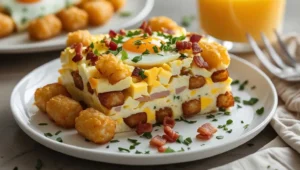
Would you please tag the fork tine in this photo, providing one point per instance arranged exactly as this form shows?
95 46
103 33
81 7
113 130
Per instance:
272 52
261 56
291 60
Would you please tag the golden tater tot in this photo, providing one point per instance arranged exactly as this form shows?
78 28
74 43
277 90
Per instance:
44 94
162 23
44 28
73 18
81 36
63 110
6 25
117 4
99 12
95 126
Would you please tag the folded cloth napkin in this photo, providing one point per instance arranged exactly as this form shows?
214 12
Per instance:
286 122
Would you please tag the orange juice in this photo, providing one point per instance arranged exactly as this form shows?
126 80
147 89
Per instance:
230 20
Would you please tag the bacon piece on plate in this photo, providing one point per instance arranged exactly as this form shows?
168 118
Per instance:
168 121
112 34
207 129
143 127
203 137
161 149
172 136
157 141
195 38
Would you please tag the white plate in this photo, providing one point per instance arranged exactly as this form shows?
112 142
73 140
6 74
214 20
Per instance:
20 43
28 118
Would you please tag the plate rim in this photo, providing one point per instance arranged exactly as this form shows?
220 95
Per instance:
143 13
72 150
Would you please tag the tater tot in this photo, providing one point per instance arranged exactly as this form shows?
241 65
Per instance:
81 36
117 4
73 18
95 126
63 110
6 25
44 28
162 23
99 12
44 94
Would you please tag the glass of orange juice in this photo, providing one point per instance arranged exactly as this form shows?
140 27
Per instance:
229 20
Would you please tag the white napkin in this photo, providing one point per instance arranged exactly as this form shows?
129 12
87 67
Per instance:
286 122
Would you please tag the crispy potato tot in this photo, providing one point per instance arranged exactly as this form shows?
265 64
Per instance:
133 120
162 113
164 24
6 25
77 80
63 110
95 126
191 107
225 100
196 82
117 4
219 76
44 28
111 99
99 12
112 68
44 94
73 18
81 36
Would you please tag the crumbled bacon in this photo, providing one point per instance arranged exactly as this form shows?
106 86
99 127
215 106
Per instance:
122 32
157 141
144 25
168 31
113 46
112 34
143 127
78 48
196 48
161 149
206 131
148 30
136 72
200 62
107 42
168 121
195 38
91 56
183 45
172 136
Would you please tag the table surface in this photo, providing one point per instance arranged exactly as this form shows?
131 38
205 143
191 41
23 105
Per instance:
17 149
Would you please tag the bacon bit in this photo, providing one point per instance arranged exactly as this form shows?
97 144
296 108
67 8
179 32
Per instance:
207 129
168 121
78 56
200 62
113 46
91 56
87 49
183 45
157 141
161 149
136 72
169 139
143 127
203 137
148 30
144 25
107 42
112 34
168 31
195 38
196 48
171 133
122 32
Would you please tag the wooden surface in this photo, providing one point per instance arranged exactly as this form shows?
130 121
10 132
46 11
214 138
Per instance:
17 149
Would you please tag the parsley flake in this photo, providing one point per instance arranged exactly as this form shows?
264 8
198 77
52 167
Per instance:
59 139
48 134
138 152
238 106
181 150
155 49
235 82
227 113
260 111
125 13
147 135
246 126
124 55
242 86
147 152
137 59
210 116
229 121
251 102
237 99
92 45
123 149
142 74
219 137
58 132
43 124
186 121
169 150
114 141
187 20
187 141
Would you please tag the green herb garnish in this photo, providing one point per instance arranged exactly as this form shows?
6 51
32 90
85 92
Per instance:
242 122
238 106
24 20
137 59
118 40
219 137
59 139
138 152
39 164
242 86
237 99
187 20
210 116
181 150
227 113
124 55
138 43
155 49
180 139
246 126
182 56
133 33
260 111
125 13
187 141
147 152
235 82
251 102
146 52
142 74
186 121
48 134
43 124
229 131
214 120
58 132
114 141
123 149
147 135
92 45
229 121
169 150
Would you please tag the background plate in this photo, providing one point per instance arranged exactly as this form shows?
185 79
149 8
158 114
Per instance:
28 117
20 43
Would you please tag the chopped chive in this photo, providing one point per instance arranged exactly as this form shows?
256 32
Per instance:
146 52
125 13
238 106
132 147
147 135
214 120
225 128
251 102
169 150
43 124
229 131
114 141
229 121
235 82
48 134
268 166
137 42
59 139
124 55
181 150
219 137
137 59
123 149
147 152
132 140
142 74
227 113
260 111
242 86
182 56
246 126
242 122
187 141
210 116
133 33
155 49
58 132
186 121
107 146
138 152
92 45
39 164
237 99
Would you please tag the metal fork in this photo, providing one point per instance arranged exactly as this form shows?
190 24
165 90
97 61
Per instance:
289 71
